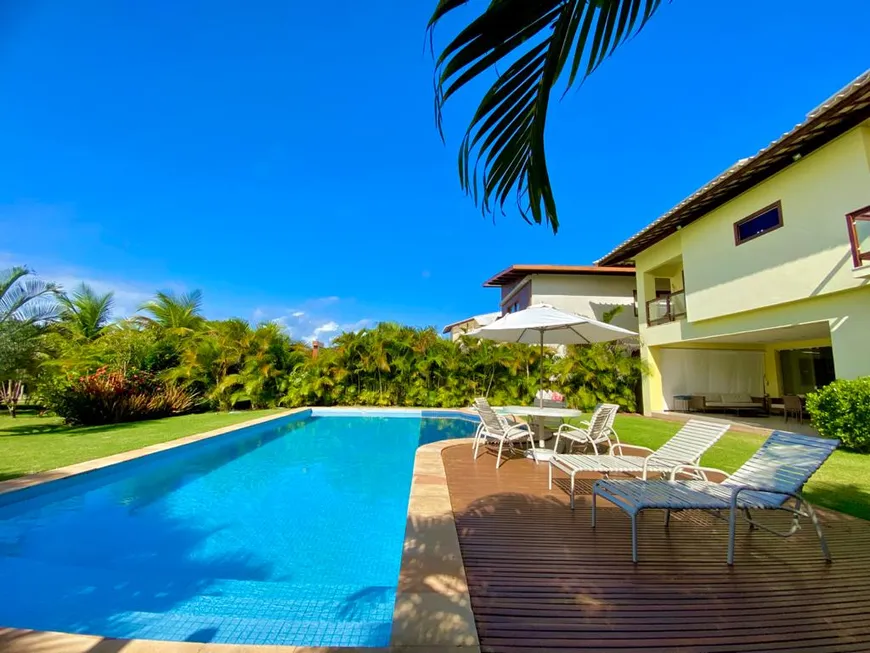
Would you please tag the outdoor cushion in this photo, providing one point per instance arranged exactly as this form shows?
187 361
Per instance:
733 404
712 397
736 398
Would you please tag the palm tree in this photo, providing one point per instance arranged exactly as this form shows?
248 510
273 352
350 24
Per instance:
177 314
85 313
533 40
26 299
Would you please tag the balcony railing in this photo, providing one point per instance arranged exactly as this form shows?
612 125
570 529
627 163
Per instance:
666 308
858 224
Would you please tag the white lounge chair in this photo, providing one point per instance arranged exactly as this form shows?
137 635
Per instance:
773 476
494 427
597 431
686 447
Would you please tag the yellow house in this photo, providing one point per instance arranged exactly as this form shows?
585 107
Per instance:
758 285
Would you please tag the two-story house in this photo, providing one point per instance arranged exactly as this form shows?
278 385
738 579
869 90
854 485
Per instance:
759 283
588 290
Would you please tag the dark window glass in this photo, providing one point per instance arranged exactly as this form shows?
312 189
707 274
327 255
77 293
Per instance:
759 224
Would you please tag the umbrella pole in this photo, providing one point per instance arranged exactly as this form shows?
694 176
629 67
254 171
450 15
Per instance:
541 397
540 423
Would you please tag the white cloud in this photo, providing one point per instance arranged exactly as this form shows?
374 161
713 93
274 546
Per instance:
329 327
298 314
359 325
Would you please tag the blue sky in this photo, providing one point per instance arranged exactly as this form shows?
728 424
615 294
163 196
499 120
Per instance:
283 157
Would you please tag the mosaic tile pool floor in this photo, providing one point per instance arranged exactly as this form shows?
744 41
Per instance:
285 533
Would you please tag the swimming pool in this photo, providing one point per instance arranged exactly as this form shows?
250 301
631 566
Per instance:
288 532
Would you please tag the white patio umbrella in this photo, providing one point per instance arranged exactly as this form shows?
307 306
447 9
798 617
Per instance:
542 324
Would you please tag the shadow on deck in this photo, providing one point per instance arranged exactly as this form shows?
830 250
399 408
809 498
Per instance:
540 578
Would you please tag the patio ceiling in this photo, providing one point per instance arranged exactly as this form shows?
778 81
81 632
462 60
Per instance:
811 331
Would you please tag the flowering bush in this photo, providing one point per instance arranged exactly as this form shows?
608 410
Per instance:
108 397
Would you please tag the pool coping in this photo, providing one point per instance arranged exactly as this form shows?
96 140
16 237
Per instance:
432 612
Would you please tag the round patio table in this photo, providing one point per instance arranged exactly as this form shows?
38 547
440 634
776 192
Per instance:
540 414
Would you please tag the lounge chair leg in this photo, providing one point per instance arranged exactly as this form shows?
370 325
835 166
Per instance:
534 454
634 537
550 486
732 531
748 518
594 501
814 518
572 491
498 460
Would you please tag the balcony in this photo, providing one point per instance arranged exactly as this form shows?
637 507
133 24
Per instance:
666 308
858 224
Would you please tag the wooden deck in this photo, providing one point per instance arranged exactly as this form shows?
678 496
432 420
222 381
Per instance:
540 578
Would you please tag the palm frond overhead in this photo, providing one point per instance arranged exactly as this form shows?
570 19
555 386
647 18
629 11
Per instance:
25 298
502 152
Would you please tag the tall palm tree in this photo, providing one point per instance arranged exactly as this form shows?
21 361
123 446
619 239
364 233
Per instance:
177 314
531 41
84 312
26 299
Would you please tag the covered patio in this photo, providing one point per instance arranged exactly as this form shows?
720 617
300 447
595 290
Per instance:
747 422
540 578
750 379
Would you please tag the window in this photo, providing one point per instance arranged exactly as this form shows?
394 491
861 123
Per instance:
858 224
759 223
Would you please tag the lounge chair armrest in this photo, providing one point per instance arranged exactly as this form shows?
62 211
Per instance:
703 471
517 429
735 493
568 429
617 448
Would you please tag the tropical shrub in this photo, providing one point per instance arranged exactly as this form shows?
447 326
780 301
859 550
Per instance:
393 365
171 359
600 373
842 410
109 397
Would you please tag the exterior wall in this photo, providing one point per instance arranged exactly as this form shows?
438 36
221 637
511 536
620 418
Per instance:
589 295
462 329
807 257
796 275
519 298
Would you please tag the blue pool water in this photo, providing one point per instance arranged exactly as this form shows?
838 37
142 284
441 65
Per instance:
288 532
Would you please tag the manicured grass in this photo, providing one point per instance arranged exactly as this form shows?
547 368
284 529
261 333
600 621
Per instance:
30 443
843 483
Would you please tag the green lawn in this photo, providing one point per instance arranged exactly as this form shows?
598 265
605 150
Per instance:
843 483
32 444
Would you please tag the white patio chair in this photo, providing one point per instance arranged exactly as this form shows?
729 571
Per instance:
772 477
494 427
685 448
598 430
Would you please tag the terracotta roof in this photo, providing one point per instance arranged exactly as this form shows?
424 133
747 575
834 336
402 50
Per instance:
516 272
838 114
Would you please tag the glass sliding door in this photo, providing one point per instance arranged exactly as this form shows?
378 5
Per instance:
805 370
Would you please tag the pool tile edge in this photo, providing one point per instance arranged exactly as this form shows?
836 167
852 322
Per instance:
433 607
38 478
